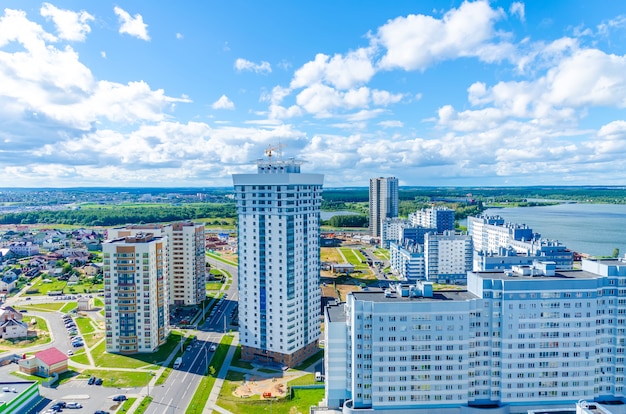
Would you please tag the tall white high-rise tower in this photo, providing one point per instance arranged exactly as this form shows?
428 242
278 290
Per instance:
279 256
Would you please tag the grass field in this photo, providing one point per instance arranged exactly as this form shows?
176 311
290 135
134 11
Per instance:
104 359
68 307
46 307
84 325
120 379
330 254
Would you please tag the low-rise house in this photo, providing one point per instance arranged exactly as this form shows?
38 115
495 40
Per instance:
85 303
8 281
44 363
73 280
11 324
24 248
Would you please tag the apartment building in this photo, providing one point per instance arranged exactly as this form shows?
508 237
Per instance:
383 198
526 338
135 293
448 257
279 262
437 217
187 263
500 245
186 258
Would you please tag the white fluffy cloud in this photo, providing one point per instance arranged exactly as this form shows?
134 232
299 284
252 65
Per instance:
415 42
70 25
132 25
518 9
223 103
246 65
342 72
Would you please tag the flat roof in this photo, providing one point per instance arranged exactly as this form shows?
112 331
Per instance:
336 312
559 274
6 389
438 295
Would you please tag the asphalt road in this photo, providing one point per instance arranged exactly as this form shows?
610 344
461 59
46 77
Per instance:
175 395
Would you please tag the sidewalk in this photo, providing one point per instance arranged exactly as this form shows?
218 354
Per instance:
211 404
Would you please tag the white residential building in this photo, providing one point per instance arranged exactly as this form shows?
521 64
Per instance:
437 217
279 262
407 261
136 291
500 245
383 199
392 230
448 257
513 341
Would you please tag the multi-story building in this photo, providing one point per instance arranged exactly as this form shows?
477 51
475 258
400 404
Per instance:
500 245
383 197
407 261
279 262
135 293
187 263
513 341
448 256
186 258
437 217
391 230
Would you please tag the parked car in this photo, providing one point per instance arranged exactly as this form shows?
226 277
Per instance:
73 405
98 381
70 352
100 412
119 398
58 404
213 348
91 380
77 344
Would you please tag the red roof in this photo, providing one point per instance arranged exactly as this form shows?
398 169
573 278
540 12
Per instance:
51 356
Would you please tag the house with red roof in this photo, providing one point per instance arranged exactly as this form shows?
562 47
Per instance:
44 363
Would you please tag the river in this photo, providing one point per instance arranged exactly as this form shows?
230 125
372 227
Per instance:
595 229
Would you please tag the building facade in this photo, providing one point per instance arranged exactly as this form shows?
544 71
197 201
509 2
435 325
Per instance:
135 291
513 341
500 245
391 231
187 263
383 198
186 258
279 262
448 257
437 217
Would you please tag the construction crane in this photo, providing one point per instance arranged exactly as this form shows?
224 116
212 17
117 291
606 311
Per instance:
271 150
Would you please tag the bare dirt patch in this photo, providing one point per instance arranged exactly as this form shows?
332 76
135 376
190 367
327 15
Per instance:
265 387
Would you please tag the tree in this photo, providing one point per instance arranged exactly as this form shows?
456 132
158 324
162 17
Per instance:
212 370
616 252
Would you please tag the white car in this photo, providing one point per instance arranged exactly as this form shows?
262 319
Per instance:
73 404
213 348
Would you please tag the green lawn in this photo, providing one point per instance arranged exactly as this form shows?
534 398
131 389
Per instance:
84 325
237 362
55 285
80 358
143 405
120 379
68 307
214 285
127 404
104 359
46 307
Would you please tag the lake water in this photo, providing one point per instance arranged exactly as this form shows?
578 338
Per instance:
596 229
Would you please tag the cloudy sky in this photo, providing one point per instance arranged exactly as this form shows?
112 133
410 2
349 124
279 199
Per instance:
437 93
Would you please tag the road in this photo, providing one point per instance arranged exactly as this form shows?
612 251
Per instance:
175 395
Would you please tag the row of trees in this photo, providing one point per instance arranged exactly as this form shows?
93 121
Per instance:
113 216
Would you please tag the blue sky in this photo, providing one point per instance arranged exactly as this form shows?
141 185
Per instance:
154 93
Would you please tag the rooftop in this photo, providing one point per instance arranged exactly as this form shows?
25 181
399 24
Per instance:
378 295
